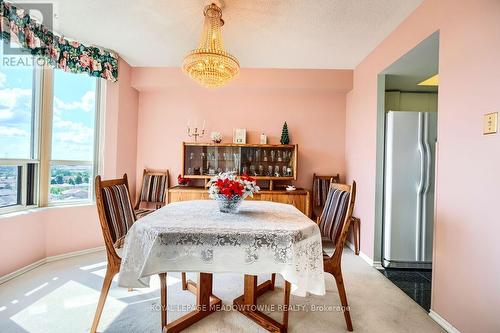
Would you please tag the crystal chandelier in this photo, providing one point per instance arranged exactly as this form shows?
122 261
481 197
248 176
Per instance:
210 65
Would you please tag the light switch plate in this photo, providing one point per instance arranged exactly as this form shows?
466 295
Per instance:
490 123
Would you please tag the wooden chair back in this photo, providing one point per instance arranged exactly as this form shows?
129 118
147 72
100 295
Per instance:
107 211
344 219
320 188
154 189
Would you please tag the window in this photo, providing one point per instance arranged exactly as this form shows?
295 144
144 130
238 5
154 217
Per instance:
73 137
18 135
65 133
10 178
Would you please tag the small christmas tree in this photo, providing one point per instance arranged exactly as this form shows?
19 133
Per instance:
285 139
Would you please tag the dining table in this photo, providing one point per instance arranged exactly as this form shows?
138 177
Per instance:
194 236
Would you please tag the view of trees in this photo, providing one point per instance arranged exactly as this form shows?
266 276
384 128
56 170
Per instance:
70 182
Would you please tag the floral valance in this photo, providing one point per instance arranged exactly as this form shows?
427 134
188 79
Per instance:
71 56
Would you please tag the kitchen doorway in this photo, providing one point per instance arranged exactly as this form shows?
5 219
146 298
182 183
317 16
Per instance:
406 151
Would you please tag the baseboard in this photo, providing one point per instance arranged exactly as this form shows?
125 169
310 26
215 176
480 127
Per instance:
366 258
375 263
22 270
443 323
74 254
43 261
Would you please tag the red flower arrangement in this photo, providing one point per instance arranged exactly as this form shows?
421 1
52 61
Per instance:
229 188
182 181
228 185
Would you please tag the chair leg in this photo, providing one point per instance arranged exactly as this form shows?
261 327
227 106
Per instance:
273 280
343 298
108 279
184 281
163 297
355 231
287 304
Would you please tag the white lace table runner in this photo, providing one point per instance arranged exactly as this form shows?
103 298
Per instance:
193 236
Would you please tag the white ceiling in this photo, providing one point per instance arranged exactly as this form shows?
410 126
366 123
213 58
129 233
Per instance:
260 33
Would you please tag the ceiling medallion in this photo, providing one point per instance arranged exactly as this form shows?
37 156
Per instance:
210 65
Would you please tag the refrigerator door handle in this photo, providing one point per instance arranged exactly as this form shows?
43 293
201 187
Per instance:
421 186
428 156
427 182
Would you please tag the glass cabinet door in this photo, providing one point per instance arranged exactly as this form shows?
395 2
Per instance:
222 159
265 162
211 160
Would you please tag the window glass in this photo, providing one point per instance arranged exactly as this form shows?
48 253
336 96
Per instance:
9 185
74 117
73 132
70 182
16 112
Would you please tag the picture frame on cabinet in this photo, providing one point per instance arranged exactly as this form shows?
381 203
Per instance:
240 135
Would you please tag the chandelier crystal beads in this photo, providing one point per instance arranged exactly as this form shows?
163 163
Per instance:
209 64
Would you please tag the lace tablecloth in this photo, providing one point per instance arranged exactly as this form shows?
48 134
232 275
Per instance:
193 236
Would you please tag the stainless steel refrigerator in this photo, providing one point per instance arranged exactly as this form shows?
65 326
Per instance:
410 150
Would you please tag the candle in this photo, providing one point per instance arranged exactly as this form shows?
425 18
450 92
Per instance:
203 124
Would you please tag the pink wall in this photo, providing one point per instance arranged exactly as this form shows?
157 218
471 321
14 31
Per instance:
26 237
121 127
22 240
260 100
466 271
29 236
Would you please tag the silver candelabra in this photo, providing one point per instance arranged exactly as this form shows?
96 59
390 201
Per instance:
195 132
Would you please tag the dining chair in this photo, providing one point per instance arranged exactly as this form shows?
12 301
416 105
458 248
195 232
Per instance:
334 224
321 187
154 191
116 216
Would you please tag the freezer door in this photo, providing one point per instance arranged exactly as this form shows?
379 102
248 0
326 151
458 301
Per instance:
404 175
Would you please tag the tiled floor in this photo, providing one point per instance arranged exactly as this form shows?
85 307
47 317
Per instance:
415 283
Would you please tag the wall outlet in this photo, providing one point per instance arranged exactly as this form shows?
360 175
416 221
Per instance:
490 123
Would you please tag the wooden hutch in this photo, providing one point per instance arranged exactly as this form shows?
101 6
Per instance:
272 165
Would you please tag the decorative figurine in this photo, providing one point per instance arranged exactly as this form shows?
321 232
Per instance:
263 139
216 137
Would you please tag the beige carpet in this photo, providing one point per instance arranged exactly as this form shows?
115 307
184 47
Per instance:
61 297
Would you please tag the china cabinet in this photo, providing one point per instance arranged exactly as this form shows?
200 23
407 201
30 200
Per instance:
265 162
261 161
